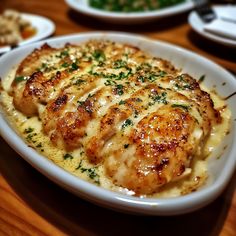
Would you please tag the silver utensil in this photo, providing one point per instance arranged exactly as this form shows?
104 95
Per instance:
204 10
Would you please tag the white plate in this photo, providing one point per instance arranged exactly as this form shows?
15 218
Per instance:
44 27
220 170
82 6
198 25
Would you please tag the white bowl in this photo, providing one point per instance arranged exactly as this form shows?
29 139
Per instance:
82 6
220 170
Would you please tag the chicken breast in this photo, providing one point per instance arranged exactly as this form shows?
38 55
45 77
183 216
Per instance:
135 114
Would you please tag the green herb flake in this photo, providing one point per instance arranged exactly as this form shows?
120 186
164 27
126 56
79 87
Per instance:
162 73
67 156
109 82
99 55
65 65
183 106
81 153
28 130
91 172
160 98
119 64
152 78
139 100
74 66
39 145
127 123
201 79
119 89
20 78
141 79
90 95
64 54
123 75
121 102
126 145
81 103
182 83
79 82
30 136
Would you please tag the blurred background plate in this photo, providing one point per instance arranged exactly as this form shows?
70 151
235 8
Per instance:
198 25
44 28
82 6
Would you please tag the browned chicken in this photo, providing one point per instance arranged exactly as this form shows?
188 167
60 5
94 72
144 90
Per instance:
133 113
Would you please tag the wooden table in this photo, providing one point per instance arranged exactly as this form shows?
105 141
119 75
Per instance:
30 204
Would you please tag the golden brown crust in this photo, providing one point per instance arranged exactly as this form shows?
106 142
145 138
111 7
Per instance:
135 114
31 62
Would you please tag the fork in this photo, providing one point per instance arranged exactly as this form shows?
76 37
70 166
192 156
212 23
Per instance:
204 10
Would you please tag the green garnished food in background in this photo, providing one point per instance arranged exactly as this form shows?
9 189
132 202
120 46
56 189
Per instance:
132 5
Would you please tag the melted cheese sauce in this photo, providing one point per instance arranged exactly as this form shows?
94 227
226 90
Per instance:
77 164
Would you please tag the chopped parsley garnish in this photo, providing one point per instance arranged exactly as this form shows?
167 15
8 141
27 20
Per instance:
79 82
162 73
152 77
64 54
67 156
121 102
20 78
46 68
119 64
139 100
81 103
127 122
39 145
28 130
126 145
149 75
180 77
44 65
201 79
111 76
81 153
91 172
182 83
99 55
145 67
159 98
141 78
30 136
185 107
74 66
109 82
119 89
65 64
123 75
